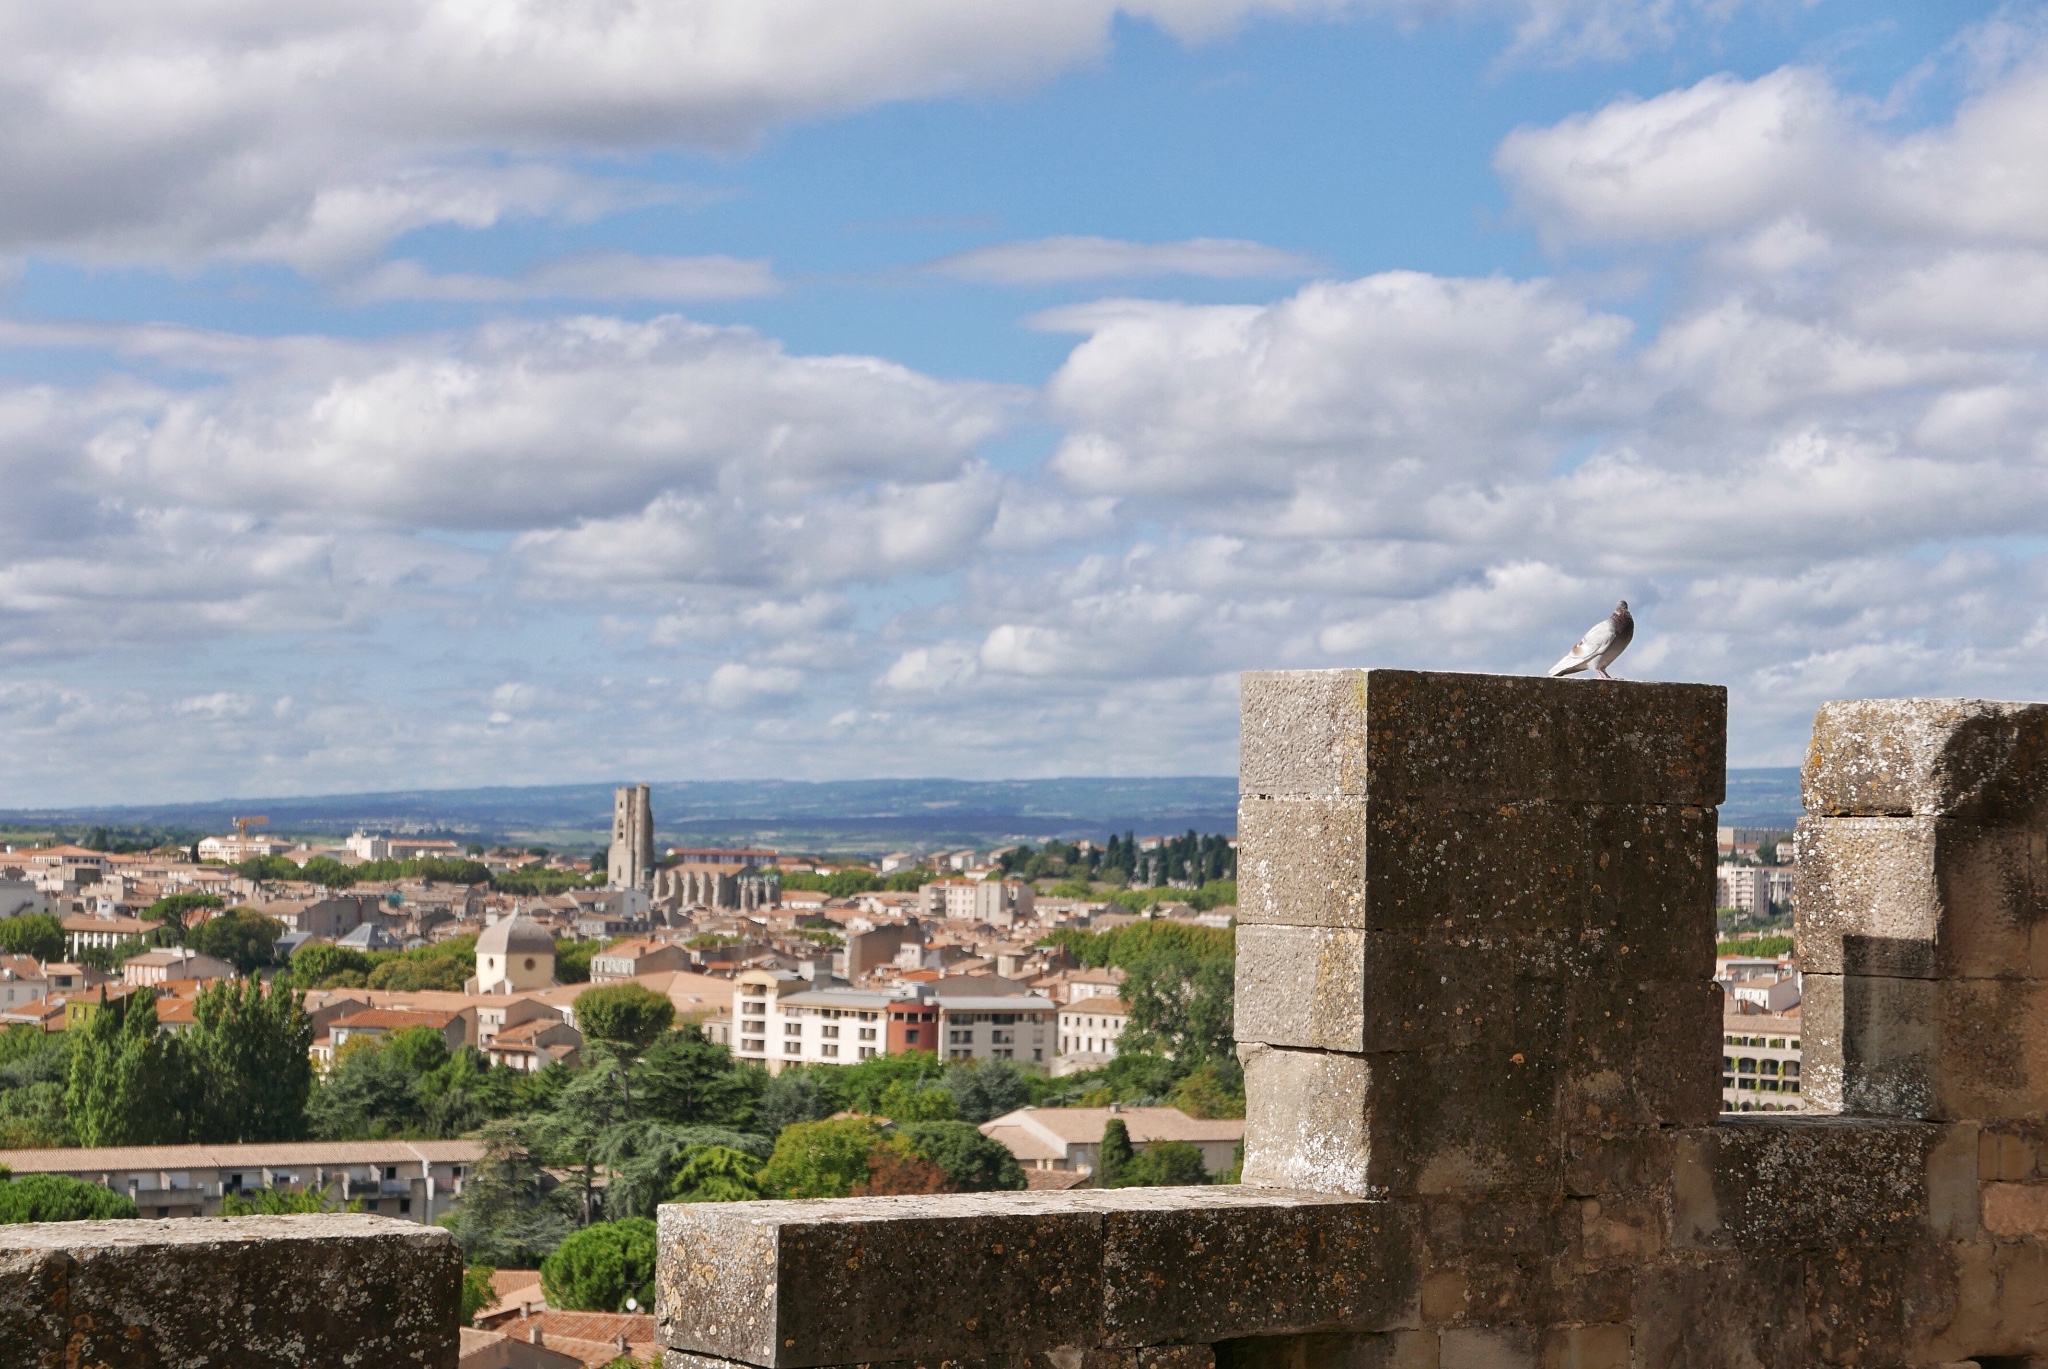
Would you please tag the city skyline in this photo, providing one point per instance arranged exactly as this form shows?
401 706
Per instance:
387 404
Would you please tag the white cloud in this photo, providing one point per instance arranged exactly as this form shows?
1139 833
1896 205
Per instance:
314 133
736 685
1725 154
1050 261
610 276
519 424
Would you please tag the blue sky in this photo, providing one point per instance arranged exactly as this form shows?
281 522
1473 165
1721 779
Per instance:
454 394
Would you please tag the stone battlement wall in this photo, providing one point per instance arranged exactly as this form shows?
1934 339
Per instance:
1482 1053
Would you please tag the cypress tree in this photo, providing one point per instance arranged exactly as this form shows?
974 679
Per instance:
248 1052
1116 1155
129 1083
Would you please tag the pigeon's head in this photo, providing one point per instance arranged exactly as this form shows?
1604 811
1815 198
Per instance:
1620 614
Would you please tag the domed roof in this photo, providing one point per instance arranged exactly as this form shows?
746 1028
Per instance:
515 936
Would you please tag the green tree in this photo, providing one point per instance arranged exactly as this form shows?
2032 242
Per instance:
129 1083
477 1292
1163 1164
328 871
1215 1089
973 1163
820 1159
685 1078
247 1051
598 1268
175 912
914 1102
508 1214
55 1198
644 1156
34 1066
319 965
1116 1154
369 1093
36 934
987 1089
629 1014
242 937
1181 1004
572 960
797 1095
717 1174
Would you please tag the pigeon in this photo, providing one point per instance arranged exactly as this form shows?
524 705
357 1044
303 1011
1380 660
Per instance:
1603 642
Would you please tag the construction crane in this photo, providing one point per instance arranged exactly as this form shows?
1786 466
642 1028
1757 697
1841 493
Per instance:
243 825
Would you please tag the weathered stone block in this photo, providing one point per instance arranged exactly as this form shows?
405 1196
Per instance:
1761 1184
1869 1045
1301 862
1944 1049
1963 758
1510 1347
1641 1054
1306 1120
244 1293
1696 1310
1225 1268
1301 986
1922 898
1587 1347
1384 1350
1477 740
791 1285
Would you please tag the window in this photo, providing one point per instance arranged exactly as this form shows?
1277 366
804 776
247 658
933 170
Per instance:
458 1171
866 1051
830 1050
792 1029
404 1206
529 962
792 1047
1745 1083
1727 1081
1778 1042
910 1034
391 1171
753 1044
829 1033
1003 1038
1728 1061
1770 1067
867 1033
961 1038
1745 1066
1792 1068
1795 1043
1038 1055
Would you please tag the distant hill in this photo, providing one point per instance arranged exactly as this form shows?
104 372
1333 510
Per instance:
1763 798
838 815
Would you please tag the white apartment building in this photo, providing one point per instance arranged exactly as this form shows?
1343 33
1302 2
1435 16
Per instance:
368 847
779 1020
1089 1030
236 848
22 981
997 902
1752 888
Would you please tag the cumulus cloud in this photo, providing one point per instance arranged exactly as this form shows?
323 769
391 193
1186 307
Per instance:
1051 261
521 424
314 133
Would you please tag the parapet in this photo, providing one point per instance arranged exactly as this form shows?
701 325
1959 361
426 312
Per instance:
1922 898
241 1293
1482 1052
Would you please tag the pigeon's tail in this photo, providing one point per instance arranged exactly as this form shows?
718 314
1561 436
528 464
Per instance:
1572 664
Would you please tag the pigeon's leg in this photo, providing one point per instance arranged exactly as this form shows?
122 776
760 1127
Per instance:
1601 673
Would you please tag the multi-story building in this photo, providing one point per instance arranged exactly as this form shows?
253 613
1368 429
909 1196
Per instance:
1755 889
780 1019
414 1179
997 902
1090 1028
1760 1060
